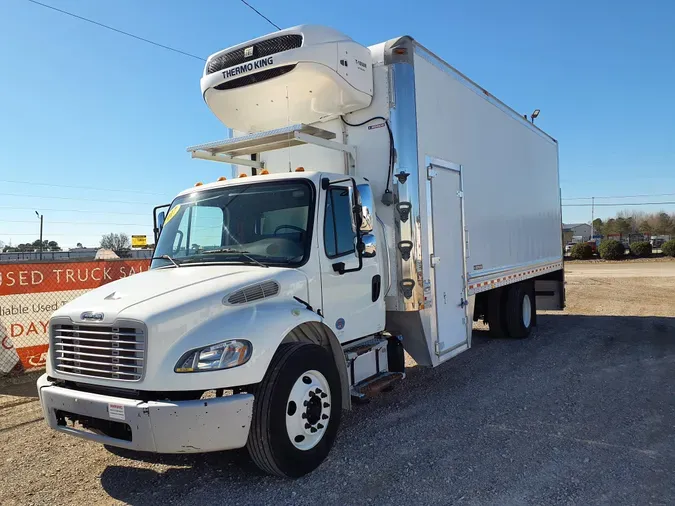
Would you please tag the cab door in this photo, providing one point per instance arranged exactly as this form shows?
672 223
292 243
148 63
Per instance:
353 298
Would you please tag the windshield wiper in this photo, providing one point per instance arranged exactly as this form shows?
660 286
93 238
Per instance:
232 250
166 257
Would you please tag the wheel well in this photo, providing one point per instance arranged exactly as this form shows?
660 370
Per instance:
480 310
318 333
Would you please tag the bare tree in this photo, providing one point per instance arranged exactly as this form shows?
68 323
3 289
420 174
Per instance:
115 242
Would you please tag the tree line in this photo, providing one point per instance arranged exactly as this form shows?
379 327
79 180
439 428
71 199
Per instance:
660 223
115 242
32 246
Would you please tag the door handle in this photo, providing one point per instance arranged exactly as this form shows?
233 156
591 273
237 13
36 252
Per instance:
463 303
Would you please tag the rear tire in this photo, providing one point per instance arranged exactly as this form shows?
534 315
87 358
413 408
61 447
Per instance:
495 313
520 309
301 387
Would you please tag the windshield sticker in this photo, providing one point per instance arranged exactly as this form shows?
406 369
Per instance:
171 214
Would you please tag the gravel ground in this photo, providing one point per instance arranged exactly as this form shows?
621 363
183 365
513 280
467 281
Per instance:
582 413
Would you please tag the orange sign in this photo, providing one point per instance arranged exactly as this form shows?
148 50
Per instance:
55 277
30 293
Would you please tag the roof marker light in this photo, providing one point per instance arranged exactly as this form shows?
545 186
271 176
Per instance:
243 175
264 172
300 169
198 183
222 178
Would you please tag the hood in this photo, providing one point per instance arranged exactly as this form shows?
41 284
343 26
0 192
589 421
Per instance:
175 285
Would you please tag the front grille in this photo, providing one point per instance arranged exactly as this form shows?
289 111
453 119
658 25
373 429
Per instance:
255 78
101 352
254 292
264 48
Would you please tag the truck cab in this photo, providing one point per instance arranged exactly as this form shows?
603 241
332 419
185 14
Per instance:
243 269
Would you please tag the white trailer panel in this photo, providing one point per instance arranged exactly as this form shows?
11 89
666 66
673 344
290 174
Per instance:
509 167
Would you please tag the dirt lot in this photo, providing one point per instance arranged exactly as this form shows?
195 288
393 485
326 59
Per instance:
582 413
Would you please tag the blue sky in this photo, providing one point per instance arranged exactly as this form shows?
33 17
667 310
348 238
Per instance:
83 106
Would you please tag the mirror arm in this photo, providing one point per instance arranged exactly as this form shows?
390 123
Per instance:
356 212
325 185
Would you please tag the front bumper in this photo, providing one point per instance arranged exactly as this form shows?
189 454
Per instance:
194 426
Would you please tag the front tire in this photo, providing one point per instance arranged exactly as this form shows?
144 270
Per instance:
296 411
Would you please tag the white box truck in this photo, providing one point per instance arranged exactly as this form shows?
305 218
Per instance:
382 201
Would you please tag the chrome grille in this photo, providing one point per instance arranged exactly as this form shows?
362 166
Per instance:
266 47
97 351
254 292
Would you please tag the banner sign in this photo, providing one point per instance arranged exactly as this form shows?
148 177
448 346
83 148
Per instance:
31 292
138 241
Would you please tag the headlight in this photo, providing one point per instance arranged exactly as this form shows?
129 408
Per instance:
216 356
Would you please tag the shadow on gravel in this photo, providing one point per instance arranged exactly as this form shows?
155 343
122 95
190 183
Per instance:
141 486
579 413
20 386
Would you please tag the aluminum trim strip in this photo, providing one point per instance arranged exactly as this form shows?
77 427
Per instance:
509 269
133 374
404 129
92 362
86 339
130 334
101 356
512 277
70 345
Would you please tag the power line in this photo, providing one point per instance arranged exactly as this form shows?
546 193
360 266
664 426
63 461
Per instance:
11 234
108 27
622 196
74 198
79 223
259 14
76 187
89 211
617 204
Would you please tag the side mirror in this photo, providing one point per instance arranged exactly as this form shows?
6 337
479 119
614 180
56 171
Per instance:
364 199
158 218
368 246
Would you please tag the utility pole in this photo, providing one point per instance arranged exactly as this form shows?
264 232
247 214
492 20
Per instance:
41 216
592 217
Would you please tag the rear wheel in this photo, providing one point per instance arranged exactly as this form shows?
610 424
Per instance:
520 310
296 411
495 312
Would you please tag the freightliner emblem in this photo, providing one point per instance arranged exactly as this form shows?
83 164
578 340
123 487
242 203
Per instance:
91 316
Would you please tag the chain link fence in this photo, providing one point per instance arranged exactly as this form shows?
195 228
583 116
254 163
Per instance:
30 292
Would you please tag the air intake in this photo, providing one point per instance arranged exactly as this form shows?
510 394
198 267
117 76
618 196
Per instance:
263 48
254 292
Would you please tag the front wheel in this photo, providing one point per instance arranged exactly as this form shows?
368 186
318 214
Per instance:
296 411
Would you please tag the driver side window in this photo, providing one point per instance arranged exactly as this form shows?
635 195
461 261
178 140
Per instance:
339 233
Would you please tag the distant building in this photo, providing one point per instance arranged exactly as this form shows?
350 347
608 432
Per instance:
582 230
72 254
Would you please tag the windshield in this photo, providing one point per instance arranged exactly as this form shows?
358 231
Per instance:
257 223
